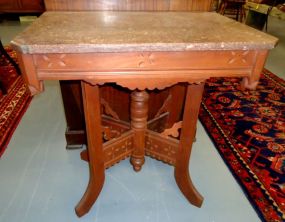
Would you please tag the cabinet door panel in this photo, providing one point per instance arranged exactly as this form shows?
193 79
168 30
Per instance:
35 5
8 5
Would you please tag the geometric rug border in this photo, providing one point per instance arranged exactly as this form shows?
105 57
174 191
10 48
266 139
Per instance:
14 127
25 105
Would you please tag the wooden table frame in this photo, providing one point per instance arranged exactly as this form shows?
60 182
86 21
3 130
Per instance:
141 71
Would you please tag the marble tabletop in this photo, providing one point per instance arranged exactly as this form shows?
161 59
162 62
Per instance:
106 31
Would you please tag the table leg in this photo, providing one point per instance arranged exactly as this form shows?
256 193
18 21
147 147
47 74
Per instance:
139 111
91 103
251 82
190 116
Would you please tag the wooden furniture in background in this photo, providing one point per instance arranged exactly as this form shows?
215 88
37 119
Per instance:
257 16
128 5
149 51
117 96
21 6
233 8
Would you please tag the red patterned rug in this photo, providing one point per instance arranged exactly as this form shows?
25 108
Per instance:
14 104
248 130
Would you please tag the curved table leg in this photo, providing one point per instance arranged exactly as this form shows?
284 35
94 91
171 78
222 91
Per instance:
251 82
91 102
190 116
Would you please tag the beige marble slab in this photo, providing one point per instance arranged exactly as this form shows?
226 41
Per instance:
105 31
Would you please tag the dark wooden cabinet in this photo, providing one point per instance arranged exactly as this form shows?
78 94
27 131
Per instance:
8 5
22 6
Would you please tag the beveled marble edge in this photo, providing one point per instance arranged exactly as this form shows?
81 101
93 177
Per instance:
138 31
89 48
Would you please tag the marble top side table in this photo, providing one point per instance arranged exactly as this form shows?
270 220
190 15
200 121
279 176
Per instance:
141 51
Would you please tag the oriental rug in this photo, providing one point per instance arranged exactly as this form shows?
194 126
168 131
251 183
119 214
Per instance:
248 130
13 104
